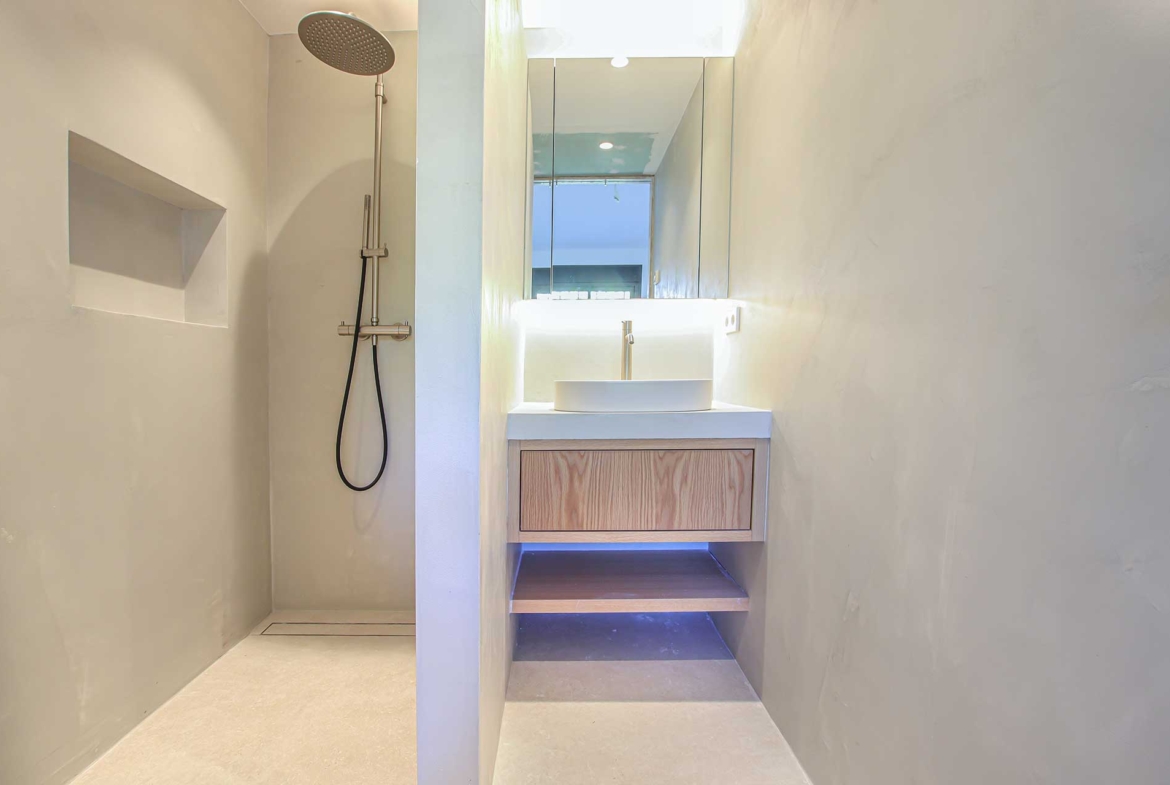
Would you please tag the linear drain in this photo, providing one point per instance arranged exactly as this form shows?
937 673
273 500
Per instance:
341 629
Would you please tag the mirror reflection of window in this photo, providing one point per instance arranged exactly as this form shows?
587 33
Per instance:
618 162
602 231
541 237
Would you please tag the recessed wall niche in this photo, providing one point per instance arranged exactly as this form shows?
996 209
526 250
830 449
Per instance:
141 244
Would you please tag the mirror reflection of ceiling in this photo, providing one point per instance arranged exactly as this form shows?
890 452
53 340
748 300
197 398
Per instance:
636 109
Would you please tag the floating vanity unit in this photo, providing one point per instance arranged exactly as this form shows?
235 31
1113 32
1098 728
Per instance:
638 476
634 477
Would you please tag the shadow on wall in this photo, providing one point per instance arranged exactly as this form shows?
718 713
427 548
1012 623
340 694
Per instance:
332 547
249 561
789 536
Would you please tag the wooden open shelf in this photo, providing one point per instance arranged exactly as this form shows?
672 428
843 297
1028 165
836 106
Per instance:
624 582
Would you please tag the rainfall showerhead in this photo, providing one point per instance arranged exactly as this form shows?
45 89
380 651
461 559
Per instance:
345 42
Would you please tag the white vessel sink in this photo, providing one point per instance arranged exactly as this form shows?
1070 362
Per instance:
663 395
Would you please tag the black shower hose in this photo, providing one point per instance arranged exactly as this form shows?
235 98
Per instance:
377 386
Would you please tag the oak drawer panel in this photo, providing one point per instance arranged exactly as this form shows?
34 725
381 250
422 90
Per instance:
636 490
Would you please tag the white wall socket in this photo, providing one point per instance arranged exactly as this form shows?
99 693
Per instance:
731 320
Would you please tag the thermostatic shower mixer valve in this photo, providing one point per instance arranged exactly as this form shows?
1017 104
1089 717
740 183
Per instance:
374 253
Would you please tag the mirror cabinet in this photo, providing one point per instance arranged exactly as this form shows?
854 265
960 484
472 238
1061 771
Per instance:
630 169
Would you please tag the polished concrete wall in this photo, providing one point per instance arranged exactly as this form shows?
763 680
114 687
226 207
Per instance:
333 548
950 237
134 468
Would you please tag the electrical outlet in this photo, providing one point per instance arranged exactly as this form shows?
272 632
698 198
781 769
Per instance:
731 321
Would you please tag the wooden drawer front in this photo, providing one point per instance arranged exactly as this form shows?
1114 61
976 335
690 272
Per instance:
635 490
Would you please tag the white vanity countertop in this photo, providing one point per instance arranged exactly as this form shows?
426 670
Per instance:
721 421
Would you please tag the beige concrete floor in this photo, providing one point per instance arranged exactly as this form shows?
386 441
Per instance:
283 708
639 699
634 698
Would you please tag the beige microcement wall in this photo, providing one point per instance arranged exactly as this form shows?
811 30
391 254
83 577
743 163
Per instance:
505 202
333 548
134 534
582 340
951 239
470 230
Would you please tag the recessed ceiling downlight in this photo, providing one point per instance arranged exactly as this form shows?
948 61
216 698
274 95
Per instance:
606 145
620 62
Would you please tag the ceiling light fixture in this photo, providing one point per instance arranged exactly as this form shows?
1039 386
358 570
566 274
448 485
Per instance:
606 145
620 62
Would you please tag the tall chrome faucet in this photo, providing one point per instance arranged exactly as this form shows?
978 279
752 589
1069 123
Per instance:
627 350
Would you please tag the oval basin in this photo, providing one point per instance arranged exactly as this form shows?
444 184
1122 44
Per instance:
651 395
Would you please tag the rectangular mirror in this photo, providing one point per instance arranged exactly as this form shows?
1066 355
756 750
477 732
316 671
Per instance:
631 178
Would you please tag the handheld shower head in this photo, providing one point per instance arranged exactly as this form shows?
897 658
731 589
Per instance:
346 42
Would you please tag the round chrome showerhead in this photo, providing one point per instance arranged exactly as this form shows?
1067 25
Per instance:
346 43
